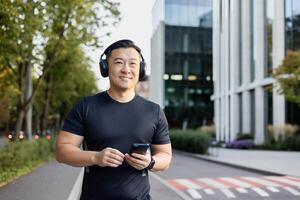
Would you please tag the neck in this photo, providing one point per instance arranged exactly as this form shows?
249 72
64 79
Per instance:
121 96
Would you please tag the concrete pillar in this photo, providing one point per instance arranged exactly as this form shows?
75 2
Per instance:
259 46
278 56
246 61
234 66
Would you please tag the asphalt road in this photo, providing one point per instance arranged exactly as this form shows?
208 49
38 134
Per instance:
199 179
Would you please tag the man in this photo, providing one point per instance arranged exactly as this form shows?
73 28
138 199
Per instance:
107 124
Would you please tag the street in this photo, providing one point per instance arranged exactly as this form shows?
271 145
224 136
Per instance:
188 178
199 179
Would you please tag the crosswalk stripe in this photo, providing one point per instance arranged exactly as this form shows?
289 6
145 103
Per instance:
226 182
292 190
178 186
292 178
252 183
280 179
228 193
262 181
209 191
273 189
241 190
237 182
188 183
194 193
212 183
260 192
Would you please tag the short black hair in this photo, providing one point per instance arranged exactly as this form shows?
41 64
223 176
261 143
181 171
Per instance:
121 44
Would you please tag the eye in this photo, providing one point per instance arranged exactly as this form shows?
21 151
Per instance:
119 62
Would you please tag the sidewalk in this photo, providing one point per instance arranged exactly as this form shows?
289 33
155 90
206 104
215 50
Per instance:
277 162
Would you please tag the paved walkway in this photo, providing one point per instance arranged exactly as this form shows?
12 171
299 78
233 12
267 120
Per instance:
48 182
277 162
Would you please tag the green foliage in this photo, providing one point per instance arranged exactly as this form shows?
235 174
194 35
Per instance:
288 76
288 143
18 158
190 140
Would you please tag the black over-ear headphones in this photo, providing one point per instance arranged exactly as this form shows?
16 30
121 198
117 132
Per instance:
103 64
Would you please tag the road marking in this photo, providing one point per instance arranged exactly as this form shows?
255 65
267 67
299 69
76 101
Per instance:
292 178
176 185
212 183
194 193
292 190
226 182
209 191
237 182
262 181
241 190
273 189
260 192
76 190
188 183
165 183
228 193
281 179
252 183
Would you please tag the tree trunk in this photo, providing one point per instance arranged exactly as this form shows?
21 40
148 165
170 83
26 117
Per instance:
20 119
47 103
28 93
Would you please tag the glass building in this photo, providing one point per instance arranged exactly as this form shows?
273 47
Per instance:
181 58
250 39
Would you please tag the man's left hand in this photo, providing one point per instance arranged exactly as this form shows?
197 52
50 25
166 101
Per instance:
138 161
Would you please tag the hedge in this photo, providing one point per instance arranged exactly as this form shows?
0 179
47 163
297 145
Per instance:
193 141
20 157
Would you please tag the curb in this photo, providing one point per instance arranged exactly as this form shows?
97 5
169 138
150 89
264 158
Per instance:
260 171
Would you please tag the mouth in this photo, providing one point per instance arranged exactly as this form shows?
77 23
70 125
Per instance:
125 78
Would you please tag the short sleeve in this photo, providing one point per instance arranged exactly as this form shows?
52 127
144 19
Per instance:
74 123
161 132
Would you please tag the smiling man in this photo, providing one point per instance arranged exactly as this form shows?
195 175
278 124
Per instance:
108 123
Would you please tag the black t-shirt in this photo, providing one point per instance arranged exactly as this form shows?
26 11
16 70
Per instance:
104 122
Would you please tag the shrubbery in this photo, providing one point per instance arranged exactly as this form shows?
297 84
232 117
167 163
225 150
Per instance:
18 158
288 143
190 140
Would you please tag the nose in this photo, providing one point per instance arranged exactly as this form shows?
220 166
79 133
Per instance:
126 68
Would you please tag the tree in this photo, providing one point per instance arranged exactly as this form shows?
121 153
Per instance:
33 35
288 76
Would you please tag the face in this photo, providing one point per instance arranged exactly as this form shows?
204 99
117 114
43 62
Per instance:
124 67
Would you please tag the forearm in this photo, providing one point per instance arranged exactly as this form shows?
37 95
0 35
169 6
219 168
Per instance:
74 156
162 161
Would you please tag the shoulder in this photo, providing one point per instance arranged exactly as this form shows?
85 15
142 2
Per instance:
93 98
147 103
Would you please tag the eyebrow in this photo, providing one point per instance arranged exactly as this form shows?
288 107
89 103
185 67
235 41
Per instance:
123 59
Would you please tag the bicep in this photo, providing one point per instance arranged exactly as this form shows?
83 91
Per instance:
67 138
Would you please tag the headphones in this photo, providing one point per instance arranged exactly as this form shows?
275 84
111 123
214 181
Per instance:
103 65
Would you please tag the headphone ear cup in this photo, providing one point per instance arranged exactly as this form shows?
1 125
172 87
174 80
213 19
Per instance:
103 65
142 71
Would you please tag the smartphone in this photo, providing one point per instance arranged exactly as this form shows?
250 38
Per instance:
140 148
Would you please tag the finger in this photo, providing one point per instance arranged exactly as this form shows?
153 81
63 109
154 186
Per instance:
117 152
138 156
114 161
116 157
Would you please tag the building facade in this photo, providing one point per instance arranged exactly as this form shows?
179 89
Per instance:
250 39
181 59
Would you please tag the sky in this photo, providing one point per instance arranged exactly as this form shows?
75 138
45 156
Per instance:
136 24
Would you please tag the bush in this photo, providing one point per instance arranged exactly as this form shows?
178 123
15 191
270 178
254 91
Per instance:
20 157
288 143
190 140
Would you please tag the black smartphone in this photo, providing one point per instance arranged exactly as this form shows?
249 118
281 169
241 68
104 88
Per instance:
140 148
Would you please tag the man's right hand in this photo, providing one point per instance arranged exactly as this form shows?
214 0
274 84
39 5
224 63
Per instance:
108 157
